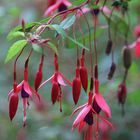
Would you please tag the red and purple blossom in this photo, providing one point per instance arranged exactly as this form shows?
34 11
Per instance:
86 117
59 5
57 81
26 92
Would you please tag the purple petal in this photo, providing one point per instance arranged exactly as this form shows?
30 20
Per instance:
27 88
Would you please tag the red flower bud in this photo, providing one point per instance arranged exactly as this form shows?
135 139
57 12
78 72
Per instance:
55 92
38 79
84 77
39 75
122 91
76 87
13 105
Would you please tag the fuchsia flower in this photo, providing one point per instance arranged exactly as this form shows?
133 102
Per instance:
59 5
95 104
26 92
136 44
57 80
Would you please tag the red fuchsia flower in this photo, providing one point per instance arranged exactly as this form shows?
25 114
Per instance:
39 75
59 5
136 44
83 72
26 92
86 117
57 81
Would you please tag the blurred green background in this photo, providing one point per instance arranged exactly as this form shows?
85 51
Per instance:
44 121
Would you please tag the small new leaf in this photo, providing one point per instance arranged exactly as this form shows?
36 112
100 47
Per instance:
68 22
15 49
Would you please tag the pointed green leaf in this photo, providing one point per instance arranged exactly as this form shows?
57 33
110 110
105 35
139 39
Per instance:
68 22
13 35
37 48
15 49
53 47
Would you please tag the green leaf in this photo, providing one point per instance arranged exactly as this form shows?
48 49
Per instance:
16 34
53 47
15 49
68 22
60 30
28 26
37 48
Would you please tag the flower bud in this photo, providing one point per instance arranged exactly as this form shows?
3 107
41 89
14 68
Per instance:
76 89
84 77
38 79
122 91
127 57
13 105
54 92
108 47
112 71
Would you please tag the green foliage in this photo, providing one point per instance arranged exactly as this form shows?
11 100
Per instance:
15 49
13 35
68 22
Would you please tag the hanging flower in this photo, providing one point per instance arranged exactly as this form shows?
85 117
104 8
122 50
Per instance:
57 81
26 92
59 5
136 43
86 117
